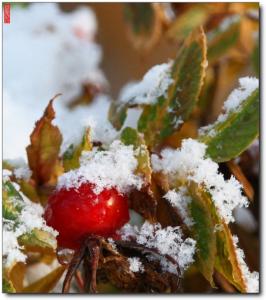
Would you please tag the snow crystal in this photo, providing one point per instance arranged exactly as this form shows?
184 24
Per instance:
233 103
6 175
11 249
45 51
180 200
247 86
30 218
153 85
189 163
251 278
106 169
112 243
135 265
167 240
23 173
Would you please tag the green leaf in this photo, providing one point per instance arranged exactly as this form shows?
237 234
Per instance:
7 286
203 231
234 135
46 283
140 16
256 59
162 119
12 201
187 22
223 38
38 240
72 154
130 136
226 259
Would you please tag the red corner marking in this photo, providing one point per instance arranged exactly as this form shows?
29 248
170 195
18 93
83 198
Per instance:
6 13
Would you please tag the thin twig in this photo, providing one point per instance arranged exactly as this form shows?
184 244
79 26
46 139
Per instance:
237 172
79 280
73 266
91 260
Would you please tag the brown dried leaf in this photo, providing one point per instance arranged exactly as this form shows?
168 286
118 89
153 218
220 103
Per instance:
44 148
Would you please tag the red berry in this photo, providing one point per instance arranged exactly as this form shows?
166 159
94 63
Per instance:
76 213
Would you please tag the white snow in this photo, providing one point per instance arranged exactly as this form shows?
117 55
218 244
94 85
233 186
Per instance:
153 85
167 240
6 175
180 200
135 265
251 278
30 218
45 52
23 173
247 86
233 103
106 169
72 123
189 163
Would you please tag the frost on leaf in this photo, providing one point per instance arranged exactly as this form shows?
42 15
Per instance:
230 262
22 221
24 230
179 167
251 278
238 126
154 84
168 92
211 202
162 119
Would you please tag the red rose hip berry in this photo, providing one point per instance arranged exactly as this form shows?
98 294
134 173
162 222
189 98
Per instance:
78 213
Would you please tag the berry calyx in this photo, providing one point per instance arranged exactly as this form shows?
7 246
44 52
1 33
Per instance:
77 213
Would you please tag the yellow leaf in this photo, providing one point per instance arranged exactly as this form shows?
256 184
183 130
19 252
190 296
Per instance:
47 283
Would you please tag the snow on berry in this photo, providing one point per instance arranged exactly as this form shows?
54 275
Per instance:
112 168
153 85
135 265
251 278
233 103
189 163
167 240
